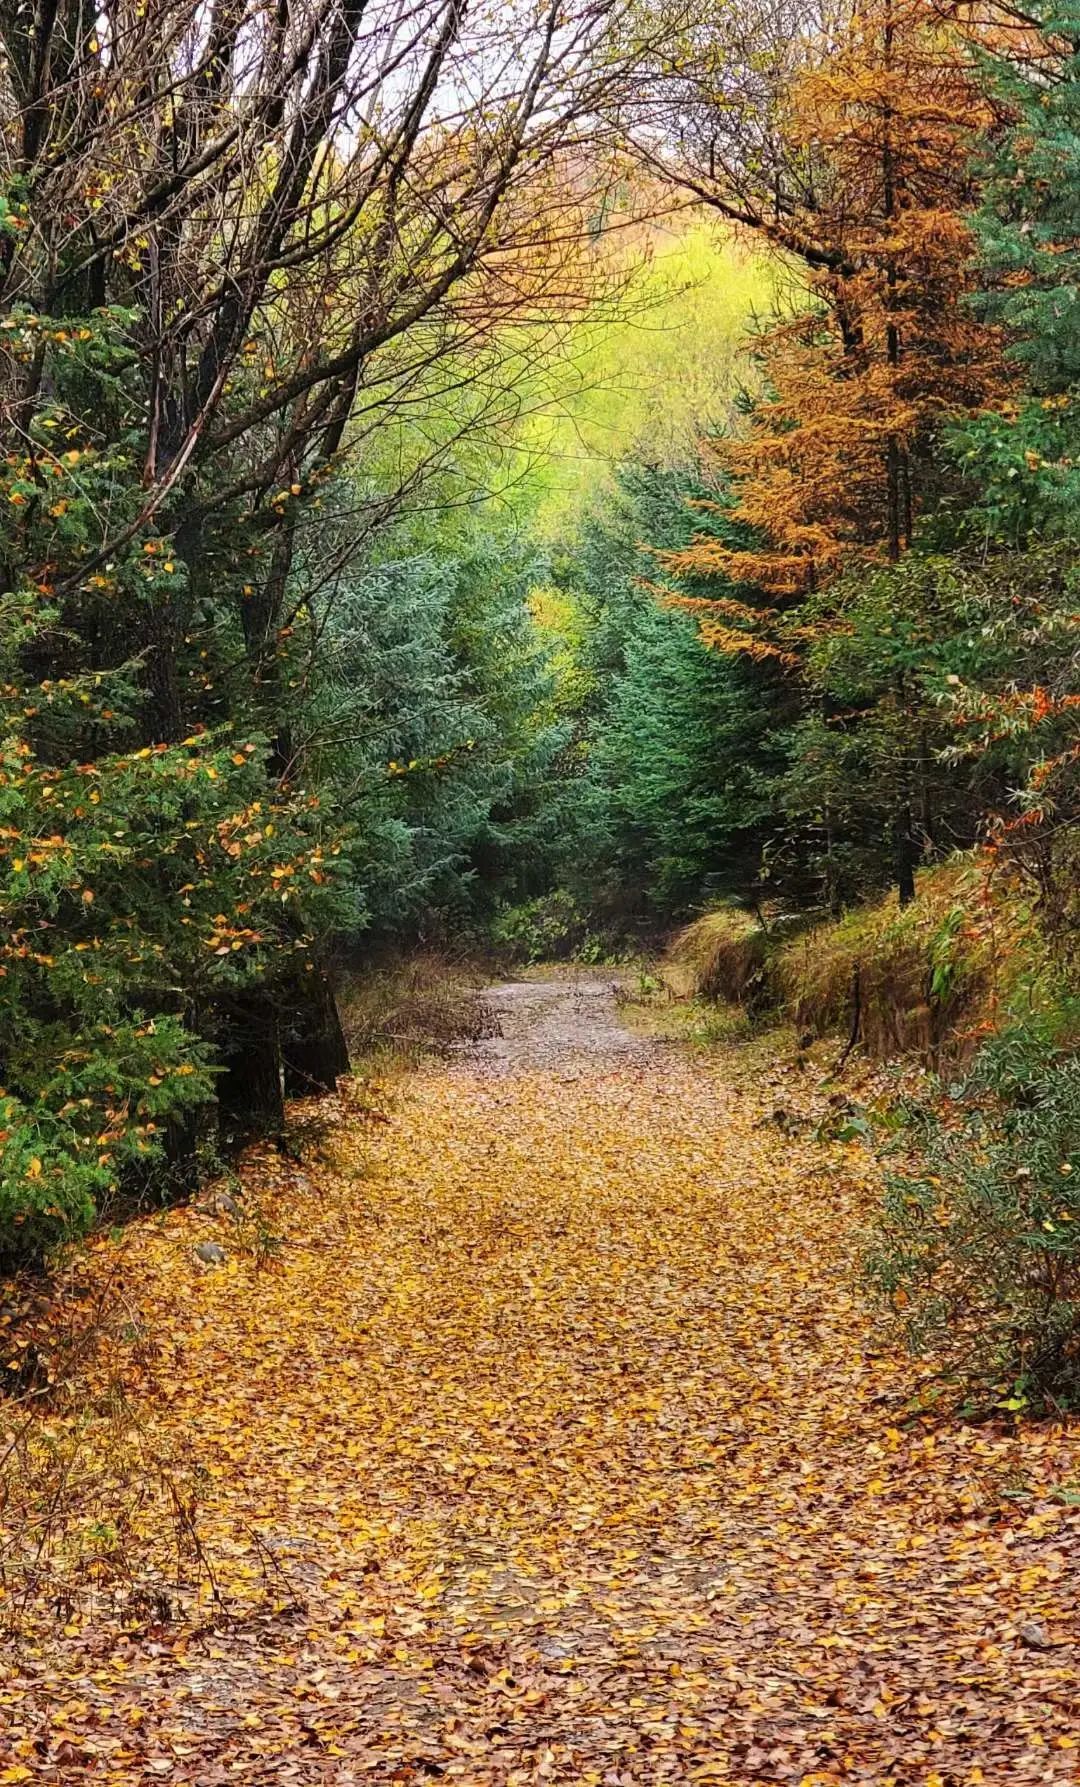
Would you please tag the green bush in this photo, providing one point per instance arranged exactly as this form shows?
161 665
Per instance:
978 1249
104 1104
548 929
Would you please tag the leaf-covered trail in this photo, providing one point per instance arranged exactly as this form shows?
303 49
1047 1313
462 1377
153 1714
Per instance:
561 1416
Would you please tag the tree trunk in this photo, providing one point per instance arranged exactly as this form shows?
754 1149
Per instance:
166 714
167 618
926 802
315 1053
249 1092
898 501
171 1175
181 1174
906 856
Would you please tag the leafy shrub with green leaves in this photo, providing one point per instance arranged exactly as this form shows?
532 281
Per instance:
978 1249
548 929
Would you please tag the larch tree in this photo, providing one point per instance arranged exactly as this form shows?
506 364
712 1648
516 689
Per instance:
835 465
867 184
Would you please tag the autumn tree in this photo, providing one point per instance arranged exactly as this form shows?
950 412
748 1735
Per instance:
836 463
872 183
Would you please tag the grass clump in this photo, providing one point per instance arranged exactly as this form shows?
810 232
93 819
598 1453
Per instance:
721 956
406 1007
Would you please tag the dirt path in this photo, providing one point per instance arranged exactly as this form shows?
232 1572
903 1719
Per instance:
562 1026
542 1438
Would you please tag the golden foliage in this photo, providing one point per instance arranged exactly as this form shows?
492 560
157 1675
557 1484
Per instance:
549 1444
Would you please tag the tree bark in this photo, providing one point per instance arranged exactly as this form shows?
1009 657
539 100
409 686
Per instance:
926 801
181 1173
249 1089
314 1051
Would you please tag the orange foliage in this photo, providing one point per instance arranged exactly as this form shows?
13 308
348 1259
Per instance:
834 467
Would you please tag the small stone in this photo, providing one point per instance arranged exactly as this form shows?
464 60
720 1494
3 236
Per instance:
210 1253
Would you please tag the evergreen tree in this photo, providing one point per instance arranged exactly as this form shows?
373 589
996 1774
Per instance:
680 761
1019 513
433 713
1023 460
885 653
152 889
678 743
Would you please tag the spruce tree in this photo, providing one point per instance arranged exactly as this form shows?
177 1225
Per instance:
1023 460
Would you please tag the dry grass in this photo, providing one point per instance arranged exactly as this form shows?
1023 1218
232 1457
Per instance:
929 979
406 1007
722 955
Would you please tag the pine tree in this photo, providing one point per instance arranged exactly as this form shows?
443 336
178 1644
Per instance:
150 888
1023 462
677 742
1021 508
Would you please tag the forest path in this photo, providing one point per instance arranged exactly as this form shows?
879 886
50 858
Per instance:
551 1444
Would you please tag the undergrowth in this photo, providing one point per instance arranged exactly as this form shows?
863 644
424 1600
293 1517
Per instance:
407 1006
977 1247
721 956
931 978
975 1252
555 927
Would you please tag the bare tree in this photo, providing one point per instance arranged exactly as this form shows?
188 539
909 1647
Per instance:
707 113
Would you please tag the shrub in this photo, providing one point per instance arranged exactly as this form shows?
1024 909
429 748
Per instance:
103 1112
548 929
978 1249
